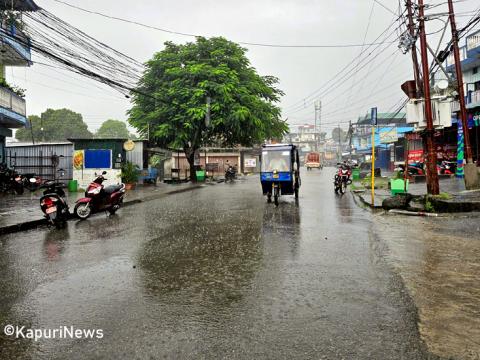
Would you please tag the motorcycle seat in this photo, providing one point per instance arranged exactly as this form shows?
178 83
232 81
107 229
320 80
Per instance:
112 188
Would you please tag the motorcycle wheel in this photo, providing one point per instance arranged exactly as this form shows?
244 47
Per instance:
83 210
269 198
343 187
19 190
275 196
296 192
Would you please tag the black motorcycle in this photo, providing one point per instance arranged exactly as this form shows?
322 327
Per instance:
230 174
10 180
54 205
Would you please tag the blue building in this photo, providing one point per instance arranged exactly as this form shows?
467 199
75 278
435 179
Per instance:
470 64
388 149
14 51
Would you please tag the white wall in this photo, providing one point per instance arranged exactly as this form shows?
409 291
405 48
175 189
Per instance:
86 176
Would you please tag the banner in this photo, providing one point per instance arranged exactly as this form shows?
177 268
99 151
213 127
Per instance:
389 136
250 163
78 159
415 156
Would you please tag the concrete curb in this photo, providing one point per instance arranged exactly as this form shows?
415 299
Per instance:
28 225
366 203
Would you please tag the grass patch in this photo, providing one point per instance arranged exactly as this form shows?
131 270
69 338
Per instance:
380 183
443 196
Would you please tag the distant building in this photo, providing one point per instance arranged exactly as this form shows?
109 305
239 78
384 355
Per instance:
390 128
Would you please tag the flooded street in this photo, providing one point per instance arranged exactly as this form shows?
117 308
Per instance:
219 273
438 260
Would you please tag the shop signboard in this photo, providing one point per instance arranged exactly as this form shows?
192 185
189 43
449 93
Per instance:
389 136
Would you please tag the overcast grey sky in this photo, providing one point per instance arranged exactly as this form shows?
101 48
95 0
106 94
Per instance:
301 71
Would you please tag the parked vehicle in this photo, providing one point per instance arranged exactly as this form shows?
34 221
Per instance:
342 178
10 180
98 198
31 182
447 168
54 205
230 173
414 169
312 161
280 171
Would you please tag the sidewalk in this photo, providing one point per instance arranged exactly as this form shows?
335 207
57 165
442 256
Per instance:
23 211
454 196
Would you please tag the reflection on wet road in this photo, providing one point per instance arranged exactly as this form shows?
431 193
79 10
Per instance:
212 273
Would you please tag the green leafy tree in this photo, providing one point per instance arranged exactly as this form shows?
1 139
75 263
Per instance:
113 129
170 101
339 133
55 125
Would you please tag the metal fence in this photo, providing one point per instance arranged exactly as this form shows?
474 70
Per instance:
48 161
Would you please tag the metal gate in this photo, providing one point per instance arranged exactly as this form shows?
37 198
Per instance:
50 162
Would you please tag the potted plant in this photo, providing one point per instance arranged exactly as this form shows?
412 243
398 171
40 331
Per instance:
130 175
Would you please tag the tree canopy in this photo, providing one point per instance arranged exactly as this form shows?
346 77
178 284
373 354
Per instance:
57 125
339 133
170 101
113 129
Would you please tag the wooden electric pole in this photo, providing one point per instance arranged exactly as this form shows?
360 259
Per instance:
411 29
470 170
432 175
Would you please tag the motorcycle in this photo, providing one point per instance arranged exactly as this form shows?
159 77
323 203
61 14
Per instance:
31 182
99 197
342 178
10 181
54 205
447 168
230 174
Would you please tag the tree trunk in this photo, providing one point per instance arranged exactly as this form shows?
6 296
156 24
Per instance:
190 155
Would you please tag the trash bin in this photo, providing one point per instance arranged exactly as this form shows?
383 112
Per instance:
200 175
73 185
356 174
397 186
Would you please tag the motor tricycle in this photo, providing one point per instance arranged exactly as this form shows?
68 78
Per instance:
280 171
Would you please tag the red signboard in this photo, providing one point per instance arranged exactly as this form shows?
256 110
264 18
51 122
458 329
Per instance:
415 155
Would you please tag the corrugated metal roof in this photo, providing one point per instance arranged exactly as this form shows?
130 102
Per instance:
19 144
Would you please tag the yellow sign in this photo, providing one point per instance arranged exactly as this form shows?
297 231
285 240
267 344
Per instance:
128 145
78 159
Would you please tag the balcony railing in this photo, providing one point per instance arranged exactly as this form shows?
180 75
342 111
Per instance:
451 58
473 97
10 100
473 41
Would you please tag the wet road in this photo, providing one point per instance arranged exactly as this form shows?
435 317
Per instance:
212 273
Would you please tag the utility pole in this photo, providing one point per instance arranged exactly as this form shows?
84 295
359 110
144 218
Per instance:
339 153
432 175
411 28
471 174
318 111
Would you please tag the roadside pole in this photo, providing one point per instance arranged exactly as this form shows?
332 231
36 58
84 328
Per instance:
432 175
470 169
374 123
411 28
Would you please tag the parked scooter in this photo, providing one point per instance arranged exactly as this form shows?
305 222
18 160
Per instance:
31 182
230 173
98 198
54 205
